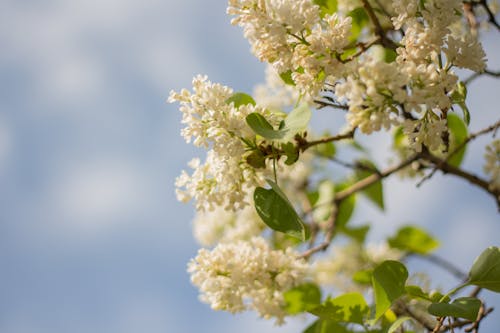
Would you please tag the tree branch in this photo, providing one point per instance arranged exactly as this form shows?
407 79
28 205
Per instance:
487 72
384 40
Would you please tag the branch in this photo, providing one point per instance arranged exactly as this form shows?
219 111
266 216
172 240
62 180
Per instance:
384 40
491 16
304 145
487 72
344 194
447 168
471 137
446 265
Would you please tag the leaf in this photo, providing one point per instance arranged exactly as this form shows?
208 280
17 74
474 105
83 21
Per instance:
327 7
256 159
291 153
346 207
395 325
302 298
295 122
413 239
324 205
417 292
388 281
240 99
359 21
458 97
327 150
464 307
277 212
326 326
348 308
389 55
287 78
374 192
363 277
458 134
357 233
485 271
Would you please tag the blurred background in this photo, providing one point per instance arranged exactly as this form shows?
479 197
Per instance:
92 238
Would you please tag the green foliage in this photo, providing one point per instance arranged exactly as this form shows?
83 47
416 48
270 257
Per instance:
458 97
464 307
277 212
458 131
324 204
413 239
388 281
240 99
327 7
356 233
302 298
345 208
326 326
397 324
287 78
256 159
359 21
327 150
295 122
485 271
347 308
291 152
374 192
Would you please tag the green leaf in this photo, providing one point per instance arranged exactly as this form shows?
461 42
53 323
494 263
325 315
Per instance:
348 308
388 281
413 239
359 21
458 134
485 271
324 205
240 99
287 78
417 292
389 55
458 97
327 150
464 307
256 159
291 153
277 212
326 326
395 325
327 7
302 298
363 277
374 192
346 207
356 233
295 122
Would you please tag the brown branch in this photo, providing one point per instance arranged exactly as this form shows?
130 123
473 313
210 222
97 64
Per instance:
437 328
486 72
491 16
303 145
384 40
471 137
447 168
344 194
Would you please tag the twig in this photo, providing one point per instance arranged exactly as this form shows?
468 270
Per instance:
471 137
330 232
447 168
455 271
486 72
437 328
303 145
384 40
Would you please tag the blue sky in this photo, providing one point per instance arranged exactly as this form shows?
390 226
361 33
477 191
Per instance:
91 236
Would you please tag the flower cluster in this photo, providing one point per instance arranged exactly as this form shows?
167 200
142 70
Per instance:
338 268
293 37
226 226
492 166
247 275
224 178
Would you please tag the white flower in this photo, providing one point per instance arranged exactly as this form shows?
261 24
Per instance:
225 226
492 165
247 275
338 268
466 52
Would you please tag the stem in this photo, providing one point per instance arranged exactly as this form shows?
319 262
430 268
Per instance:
308 144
